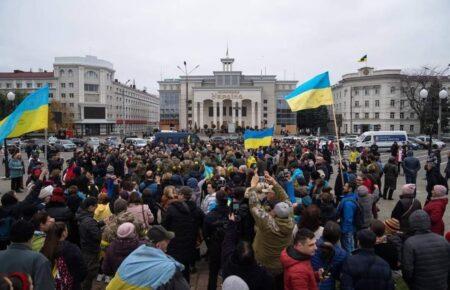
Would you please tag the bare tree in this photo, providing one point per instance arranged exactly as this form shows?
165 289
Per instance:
426 109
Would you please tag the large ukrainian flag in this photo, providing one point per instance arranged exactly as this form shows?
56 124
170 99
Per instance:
31 115
310 95
256 139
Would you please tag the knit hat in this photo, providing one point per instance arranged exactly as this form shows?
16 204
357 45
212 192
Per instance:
120 205
282 210
439 190
234 282
46 192
58 195
126 230
408 189
392 225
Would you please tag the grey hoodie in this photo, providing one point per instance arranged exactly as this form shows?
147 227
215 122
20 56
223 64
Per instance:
365 200
426 256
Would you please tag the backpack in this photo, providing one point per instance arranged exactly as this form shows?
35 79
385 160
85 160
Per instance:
63 279
358 217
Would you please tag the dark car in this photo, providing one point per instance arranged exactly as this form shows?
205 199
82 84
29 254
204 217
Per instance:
79 142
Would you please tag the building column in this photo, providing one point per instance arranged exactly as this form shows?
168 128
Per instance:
239 109
215 113
220 114
258 116
201 116
253 106
194 114
233 111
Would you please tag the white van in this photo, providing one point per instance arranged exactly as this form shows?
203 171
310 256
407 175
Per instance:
383 139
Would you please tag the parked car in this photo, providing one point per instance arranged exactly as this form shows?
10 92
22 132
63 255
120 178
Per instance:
418 141
413 145
79 142
112 141
348 141
434 141
217 139
93 141
139 142
52 140
65 145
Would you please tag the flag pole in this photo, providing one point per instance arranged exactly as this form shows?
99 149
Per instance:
338 144
45 144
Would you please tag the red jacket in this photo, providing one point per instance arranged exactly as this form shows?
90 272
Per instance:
298 272
435 209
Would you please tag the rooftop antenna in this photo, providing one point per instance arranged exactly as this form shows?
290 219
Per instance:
227 50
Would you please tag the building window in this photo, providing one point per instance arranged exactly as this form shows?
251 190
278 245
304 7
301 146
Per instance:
366 92
355 128
377 103
50 95
230 111
377 115
63 95
402 115
39 85
18 85
402 127
71 105
70 73
265 101
357 104
211 111
91 74
411 128
402 103
392 90
356 115
377 127
366 115
392 127
29 85
377 91
63 85
70 85
71 95
411 115
265 108
366 104
392 103
64 105
356 92
265 115
8 85
244 111
61 73
90 88
392 115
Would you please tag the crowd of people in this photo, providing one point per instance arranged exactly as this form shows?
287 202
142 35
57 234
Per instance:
143 218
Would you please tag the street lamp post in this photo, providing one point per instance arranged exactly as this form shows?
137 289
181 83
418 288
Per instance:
442 96
123 109
11 97
187 73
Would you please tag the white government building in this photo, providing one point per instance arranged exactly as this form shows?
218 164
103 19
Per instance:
227 98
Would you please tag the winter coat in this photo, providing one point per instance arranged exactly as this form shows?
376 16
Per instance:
76 266
59 211
298 272
346 211
114 221
90 233
334 266
328 212
116 252
404 208
390 175
387 250
273 234
142 213
20 258
15 168
366 271
434 177
366 201
256 277
436 209
411 165
426 256
214 230
183 218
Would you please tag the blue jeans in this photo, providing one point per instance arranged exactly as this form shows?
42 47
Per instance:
348 242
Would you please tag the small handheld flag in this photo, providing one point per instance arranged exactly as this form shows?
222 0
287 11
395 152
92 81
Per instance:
310 95
256 139
30 115
363 59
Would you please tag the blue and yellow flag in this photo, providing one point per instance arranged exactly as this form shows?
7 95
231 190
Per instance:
256 139
208 173
31 115
310 95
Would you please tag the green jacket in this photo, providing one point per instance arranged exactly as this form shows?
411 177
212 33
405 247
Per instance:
37 242
273 234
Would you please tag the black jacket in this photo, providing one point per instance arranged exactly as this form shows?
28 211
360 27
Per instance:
366 271
59 211
404 208
74 261
183 218
256 277
426 256
90 233
214 230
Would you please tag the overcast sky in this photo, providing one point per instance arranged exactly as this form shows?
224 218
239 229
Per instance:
147 39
